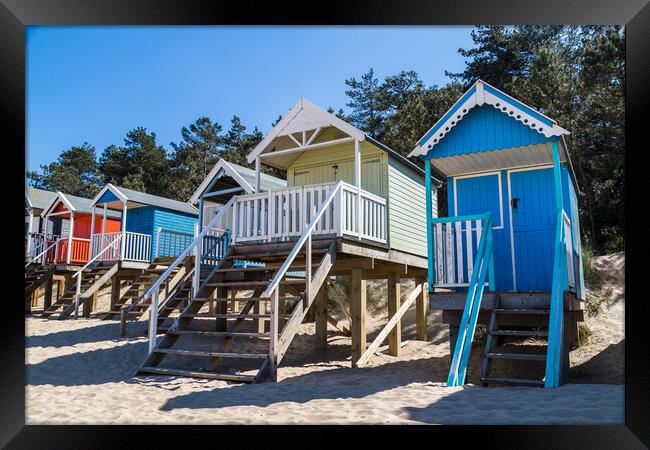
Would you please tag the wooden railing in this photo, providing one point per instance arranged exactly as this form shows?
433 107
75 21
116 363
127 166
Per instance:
37 244
455 242
43 255
556 313
131 246
78 273
196 247
283 214
272 291
483 264
58 254
171 243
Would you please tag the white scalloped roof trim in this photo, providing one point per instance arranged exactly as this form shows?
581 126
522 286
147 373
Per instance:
480 97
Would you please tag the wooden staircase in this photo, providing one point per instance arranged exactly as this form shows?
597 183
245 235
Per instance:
132 296
91 281
518 326
35 276
224 344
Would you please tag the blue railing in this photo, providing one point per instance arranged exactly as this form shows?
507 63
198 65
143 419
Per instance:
556 313
214 249
483 262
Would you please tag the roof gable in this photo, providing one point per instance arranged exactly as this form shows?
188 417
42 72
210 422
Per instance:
304 116
129 195
481 94
244 176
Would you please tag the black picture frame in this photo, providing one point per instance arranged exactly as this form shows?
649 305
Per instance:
635 14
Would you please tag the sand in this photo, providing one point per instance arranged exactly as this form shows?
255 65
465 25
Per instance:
82 372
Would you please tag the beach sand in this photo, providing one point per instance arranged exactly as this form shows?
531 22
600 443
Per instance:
82 372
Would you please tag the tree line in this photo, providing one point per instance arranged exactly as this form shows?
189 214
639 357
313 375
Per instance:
576 75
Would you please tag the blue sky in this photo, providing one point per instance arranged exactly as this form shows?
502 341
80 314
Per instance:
94 84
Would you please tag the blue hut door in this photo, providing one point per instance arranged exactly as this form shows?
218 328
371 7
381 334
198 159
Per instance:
532 204
478 194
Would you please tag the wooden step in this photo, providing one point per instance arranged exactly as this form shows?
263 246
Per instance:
251 283
520 311
274 255
198 374
233 316
242 299
519 356
513 381
531 333
215 333
182 352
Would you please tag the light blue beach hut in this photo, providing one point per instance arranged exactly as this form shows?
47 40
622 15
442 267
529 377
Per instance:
509 254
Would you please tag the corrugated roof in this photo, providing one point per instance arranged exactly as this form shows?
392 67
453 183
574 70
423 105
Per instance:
267 182
160 202
40 198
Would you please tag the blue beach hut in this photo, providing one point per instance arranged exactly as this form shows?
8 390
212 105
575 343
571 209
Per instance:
511 246
152 227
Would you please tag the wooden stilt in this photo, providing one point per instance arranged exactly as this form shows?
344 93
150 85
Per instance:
221 308
234 305
47 298
260 308
394 300
320 306
115 290
358 313
421 310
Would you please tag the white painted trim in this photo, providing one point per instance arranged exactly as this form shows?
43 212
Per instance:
114 190
306 147
59 198
512 228
480 97
306 105
229 170
483 174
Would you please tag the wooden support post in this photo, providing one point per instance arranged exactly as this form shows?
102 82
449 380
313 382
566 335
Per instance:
282 292
358 313
260 308
394 300
320 307
421 310
47 298
115 289
212 304
221 308
234 304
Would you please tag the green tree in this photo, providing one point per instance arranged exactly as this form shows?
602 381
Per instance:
368 110
140 164
194 156
75 172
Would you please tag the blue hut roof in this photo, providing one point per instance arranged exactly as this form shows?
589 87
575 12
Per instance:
478 95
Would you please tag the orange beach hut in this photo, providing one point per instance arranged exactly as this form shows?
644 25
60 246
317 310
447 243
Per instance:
67 224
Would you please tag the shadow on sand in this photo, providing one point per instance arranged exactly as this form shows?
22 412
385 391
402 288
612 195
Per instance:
105 331
340 382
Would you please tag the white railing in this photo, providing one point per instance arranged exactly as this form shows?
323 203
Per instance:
283 214
196 246
272 290
37 243
131 246
78 273
569 250
171 243
370 222
455 242
43 254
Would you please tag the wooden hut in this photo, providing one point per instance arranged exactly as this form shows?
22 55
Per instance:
150 226
36 200
513 228
352 208
67 220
